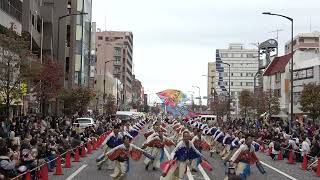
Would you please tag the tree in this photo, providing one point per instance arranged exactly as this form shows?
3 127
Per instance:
15 63
260 102
110 106
309 100
272 102
76 100
220 107
48 82
246 100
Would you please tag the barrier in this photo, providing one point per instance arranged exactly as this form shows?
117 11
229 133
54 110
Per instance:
42 169
318 168
58 166
68 160
83 151
280 156
304 163
89 148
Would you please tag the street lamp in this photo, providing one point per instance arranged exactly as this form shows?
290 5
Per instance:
104 80
59 19
291 68
229 100
200 104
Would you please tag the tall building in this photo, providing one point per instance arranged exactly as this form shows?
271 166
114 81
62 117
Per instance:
114 55
243 67
211 81
11 15
305 42
137 95
68 37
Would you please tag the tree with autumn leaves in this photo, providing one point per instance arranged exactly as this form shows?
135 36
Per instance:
310 100
77 99
48 83
246 101
16 67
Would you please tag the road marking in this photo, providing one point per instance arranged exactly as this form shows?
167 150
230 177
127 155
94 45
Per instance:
280 172
203 172
77 172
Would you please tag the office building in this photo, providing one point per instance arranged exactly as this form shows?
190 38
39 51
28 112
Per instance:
114 55
243 67
11 15
211 81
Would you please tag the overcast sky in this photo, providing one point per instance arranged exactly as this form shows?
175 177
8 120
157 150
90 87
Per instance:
175 39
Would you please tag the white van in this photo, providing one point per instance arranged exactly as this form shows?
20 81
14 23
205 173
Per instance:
209 119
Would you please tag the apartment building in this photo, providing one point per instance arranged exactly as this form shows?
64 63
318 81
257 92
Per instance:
114 55
211 81
305 42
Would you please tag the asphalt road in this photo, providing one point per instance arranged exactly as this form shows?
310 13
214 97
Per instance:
87 170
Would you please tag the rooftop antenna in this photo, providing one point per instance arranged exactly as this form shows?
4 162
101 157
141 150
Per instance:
105 23
276 31
310 25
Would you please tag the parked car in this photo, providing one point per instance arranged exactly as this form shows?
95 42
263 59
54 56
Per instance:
84 122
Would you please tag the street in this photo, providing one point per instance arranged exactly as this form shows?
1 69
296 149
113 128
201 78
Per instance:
87 169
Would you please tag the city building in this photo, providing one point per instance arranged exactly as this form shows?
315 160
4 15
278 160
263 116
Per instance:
243 67
211 81
93 57
114 55
11 15
137 95
67 37
306 69
112 86
308 42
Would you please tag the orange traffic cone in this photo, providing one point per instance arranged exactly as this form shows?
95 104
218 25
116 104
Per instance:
262 148
44 172
27 176
76 155
269 151
68 160
280 156
318 168
94 145
83 151
58 166
89 148
304 164
291 159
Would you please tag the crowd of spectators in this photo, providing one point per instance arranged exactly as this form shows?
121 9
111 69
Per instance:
26 142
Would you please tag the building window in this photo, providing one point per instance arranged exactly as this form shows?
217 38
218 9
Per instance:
240 83
316 39
231 74
78 32
106 38
68 36
231 83
241 74
310 73
117 51
100 38
301 40
67 64
249 83
250 55
244 55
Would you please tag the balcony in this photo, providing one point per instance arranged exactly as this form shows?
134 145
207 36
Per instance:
117 63
116 72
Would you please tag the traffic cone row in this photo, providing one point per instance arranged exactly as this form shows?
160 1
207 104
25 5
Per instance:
91 146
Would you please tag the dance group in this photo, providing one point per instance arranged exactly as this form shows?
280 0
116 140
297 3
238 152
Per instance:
189 137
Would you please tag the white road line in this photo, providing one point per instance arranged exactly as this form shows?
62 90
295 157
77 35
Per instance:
77 172
190 176
203 172
278 171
